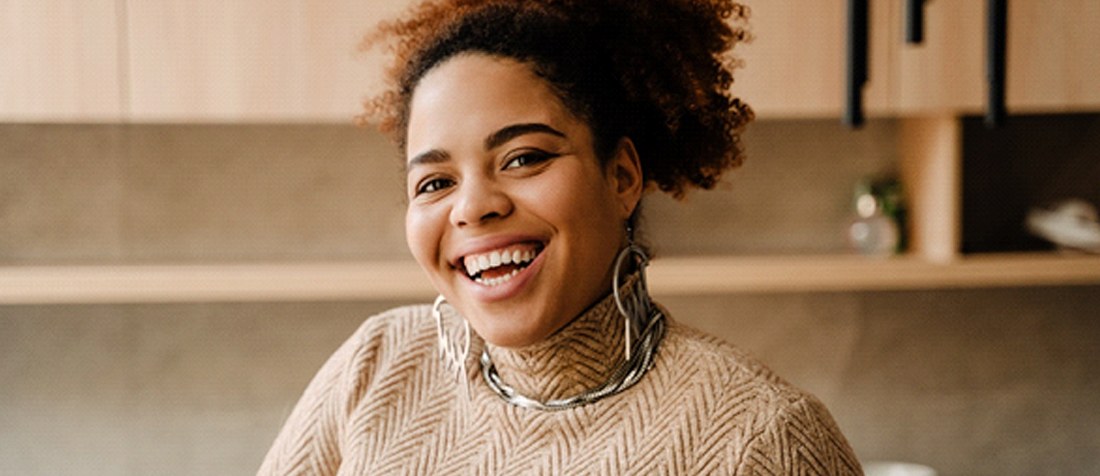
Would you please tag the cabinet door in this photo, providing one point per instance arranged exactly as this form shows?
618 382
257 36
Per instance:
795 65
251 60
59 61
1054 55
1053 58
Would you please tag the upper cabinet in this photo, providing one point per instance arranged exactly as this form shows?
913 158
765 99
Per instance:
250 60
59 61
1053 61
298 60
794 66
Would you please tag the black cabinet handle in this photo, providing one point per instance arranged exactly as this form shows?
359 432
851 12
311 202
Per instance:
857 62
914 21
996 45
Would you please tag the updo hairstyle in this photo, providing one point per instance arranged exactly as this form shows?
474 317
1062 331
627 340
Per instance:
656 71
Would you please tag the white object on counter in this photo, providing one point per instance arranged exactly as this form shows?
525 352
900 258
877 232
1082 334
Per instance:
1070 224
896 468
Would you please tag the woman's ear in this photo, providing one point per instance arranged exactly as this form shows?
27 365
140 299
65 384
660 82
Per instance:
625 174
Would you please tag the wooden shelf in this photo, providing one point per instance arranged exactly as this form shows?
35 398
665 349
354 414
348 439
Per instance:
717 275
673 276
213 282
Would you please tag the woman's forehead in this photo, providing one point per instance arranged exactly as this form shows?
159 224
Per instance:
469 97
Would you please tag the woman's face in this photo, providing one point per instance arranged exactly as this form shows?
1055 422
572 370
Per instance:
510 211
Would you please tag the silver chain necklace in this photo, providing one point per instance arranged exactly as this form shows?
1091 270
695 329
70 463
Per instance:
629 372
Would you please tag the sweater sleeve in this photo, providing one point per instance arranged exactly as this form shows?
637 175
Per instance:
310 441
801 438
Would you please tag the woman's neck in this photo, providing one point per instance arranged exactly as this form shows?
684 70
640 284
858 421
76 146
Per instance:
579 357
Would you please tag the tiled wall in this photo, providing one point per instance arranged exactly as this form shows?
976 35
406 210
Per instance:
996 381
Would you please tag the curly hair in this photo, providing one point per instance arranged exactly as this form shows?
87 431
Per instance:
657 71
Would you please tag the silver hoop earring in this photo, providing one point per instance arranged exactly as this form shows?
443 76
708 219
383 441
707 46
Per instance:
452 354
636 308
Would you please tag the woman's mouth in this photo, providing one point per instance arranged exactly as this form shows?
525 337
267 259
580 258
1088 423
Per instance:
496 267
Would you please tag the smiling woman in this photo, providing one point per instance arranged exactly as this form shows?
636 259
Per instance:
513 171
531 131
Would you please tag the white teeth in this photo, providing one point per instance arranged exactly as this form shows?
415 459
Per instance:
475 264
471 265
497 281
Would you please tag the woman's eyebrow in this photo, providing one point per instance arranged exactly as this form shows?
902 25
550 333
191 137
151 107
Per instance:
511 132
433 156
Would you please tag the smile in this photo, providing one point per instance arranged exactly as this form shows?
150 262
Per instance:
499 266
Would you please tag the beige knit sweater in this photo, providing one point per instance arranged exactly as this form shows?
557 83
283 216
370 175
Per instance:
384 404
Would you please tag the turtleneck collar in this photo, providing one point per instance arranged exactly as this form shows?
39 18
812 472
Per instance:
580 356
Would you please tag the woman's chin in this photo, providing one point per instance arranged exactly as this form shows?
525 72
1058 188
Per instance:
510 335
506 323
517 312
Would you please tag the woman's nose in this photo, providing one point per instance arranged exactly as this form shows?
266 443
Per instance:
479 200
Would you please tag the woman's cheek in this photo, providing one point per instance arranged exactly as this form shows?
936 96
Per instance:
423 233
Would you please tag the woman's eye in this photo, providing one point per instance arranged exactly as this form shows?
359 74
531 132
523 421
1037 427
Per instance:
433 185
525 159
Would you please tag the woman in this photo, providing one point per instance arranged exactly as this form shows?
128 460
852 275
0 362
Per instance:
531 131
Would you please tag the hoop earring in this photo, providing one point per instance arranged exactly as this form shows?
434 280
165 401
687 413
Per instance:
636 309
452 354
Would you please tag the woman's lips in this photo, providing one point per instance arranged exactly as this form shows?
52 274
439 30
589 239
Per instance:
506 282
490 266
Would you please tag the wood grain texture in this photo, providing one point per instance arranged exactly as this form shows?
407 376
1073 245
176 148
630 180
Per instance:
670 276
946 71
1052 61
931 169
60 61
794 67
285 60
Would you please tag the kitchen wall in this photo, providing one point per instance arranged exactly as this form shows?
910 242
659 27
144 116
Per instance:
983 381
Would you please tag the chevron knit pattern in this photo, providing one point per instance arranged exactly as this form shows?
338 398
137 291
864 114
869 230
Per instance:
384 404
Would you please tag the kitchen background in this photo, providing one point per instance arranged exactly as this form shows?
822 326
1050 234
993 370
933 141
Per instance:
137 134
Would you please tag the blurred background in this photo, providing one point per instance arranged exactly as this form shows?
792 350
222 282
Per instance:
190 224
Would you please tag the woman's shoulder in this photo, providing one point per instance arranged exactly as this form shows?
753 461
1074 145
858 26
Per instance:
732 376
400 331
383 342
396 324
730 365
765 412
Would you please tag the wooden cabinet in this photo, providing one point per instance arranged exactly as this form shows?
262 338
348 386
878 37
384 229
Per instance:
296 60
1054 55
794 66
1052 66
60 61
1053 60
255 60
